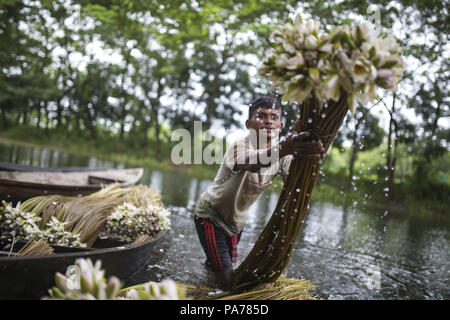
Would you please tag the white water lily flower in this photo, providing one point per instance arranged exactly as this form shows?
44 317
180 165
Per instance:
288 46
132 294
311 42
282 61
300 93
365 94
365 31
331 87
295 62
169 289
312 26
325 47
117 215
363 70
297 78
387 46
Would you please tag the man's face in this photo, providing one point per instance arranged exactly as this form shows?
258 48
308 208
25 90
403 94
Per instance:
267 120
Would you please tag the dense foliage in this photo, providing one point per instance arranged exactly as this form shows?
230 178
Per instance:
129 72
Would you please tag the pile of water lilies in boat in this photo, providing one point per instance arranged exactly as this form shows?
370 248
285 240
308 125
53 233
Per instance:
117 213
127 222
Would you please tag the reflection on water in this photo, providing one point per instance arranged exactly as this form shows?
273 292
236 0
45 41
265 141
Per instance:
351 253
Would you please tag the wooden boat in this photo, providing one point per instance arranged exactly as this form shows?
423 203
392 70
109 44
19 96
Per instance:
30 277
18 186
9 166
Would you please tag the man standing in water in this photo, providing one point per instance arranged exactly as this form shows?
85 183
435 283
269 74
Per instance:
248 167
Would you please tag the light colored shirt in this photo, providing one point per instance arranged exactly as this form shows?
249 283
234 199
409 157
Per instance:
227 200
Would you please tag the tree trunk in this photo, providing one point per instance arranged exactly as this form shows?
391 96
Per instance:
59 109
39 115
155 104
157 132
89 122
123 112
4 118
47 118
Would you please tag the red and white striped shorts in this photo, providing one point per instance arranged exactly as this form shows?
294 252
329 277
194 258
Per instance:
220 249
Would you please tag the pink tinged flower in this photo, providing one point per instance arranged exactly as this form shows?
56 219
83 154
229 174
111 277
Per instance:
385 73
113 287
298 20
132 294
347 63
86 281
295 62
325 47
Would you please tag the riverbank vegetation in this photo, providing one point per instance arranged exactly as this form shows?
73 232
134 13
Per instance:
115 79
367 187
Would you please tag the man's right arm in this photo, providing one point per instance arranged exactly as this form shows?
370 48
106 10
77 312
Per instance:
294 144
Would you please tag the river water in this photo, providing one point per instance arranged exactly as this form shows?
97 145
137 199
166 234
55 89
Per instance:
349 252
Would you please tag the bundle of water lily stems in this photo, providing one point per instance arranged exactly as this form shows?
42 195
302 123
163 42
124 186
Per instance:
324 73
271 252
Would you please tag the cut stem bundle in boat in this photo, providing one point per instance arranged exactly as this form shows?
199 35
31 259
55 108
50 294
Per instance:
88 215
36 248
271 252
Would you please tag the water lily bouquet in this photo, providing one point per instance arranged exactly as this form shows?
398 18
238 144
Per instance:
86 280
325 73
306 60
127 222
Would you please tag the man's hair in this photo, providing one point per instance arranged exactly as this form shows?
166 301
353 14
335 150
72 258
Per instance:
266 102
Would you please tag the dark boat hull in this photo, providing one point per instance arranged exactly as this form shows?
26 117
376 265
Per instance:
21 185
30 277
